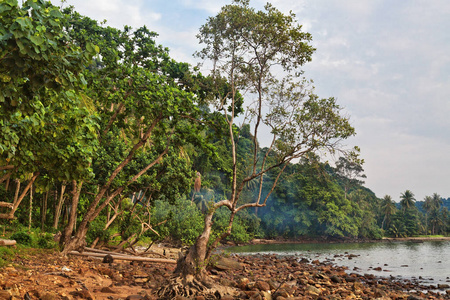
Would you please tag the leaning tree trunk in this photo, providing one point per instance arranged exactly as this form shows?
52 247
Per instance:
190 276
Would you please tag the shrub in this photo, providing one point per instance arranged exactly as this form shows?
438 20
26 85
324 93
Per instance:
46 241
22 238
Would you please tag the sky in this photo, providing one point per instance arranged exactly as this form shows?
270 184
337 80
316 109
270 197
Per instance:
386 62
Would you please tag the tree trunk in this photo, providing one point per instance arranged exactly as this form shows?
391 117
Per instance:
59 206
66 237
31 208
194 261
44 210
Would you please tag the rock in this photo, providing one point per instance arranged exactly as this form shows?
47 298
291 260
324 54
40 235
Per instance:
243 282
443 286
108 259
226 297
262 286
108 290
83 294
224 263
336 279
226 282
266 295
313 291
134 297
4 295
49 296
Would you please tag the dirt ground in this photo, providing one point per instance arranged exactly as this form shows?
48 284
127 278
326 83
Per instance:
47 275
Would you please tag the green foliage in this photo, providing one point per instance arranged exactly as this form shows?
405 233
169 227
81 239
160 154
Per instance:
46 241
6 255
44 123
184 221
96 231
23 238
245 225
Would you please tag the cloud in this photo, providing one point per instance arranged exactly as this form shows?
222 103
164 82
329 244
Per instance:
117 13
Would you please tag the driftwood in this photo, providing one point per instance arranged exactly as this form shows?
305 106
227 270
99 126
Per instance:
7 242
125 257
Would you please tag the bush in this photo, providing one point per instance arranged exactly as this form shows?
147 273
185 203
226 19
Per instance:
185 221
22 238
46 241
96 231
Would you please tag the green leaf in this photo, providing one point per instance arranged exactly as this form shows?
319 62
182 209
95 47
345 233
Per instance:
37 40
5 36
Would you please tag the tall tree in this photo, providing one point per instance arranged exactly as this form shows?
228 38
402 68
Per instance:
45 123
350 171
247 48
388 208
146 106
407 200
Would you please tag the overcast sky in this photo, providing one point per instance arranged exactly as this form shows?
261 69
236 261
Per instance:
387 62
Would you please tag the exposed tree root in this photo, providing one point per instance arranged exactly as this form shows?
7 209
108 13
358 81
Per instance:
191 286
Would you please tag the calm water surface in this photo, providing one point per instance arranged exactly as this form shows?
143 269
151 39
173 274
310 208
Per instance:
428 262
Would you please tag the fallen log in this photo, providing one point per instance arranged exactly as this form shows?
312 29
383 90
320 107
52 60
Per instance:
7 242
126 257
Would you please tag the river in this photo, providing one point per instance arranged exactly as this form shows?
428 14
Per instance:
427 262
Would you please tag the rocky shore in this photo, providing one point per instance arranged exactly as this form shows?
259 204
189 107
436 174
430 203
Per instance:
49 276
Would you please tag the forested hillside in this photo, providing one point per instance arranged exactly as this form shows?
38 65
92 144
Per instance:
106 139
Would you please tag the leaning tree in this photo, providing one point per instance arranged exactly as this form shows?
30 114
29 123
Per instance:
147 108
260 54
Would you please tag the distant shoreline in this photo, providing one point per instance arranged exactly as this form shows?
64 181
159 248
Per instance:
341 240
418 239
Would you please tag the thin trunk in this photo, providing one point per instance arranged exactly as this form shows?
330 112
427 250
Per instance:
44 210
67 234
6 177
31 208
18 199
59 206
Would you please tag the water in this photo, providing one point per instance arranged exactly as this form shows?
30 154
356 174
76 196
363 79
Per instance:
427 262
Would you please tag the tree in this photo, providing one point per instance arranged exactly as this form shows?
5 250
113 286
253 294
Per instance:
388 208
147 109
45 123
350 170
433 207
247 48
407 200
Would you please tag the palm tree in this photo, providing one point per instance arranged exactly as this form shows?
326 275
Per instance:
407 200
427 206
388 208
435 204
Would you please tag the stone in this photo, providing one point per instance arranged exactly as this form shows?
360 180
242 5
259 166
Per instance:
134 297
108 259
312 290
266 295
83 294
262 286
336 279
4 295
49 296
108 290
224 263
243 282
